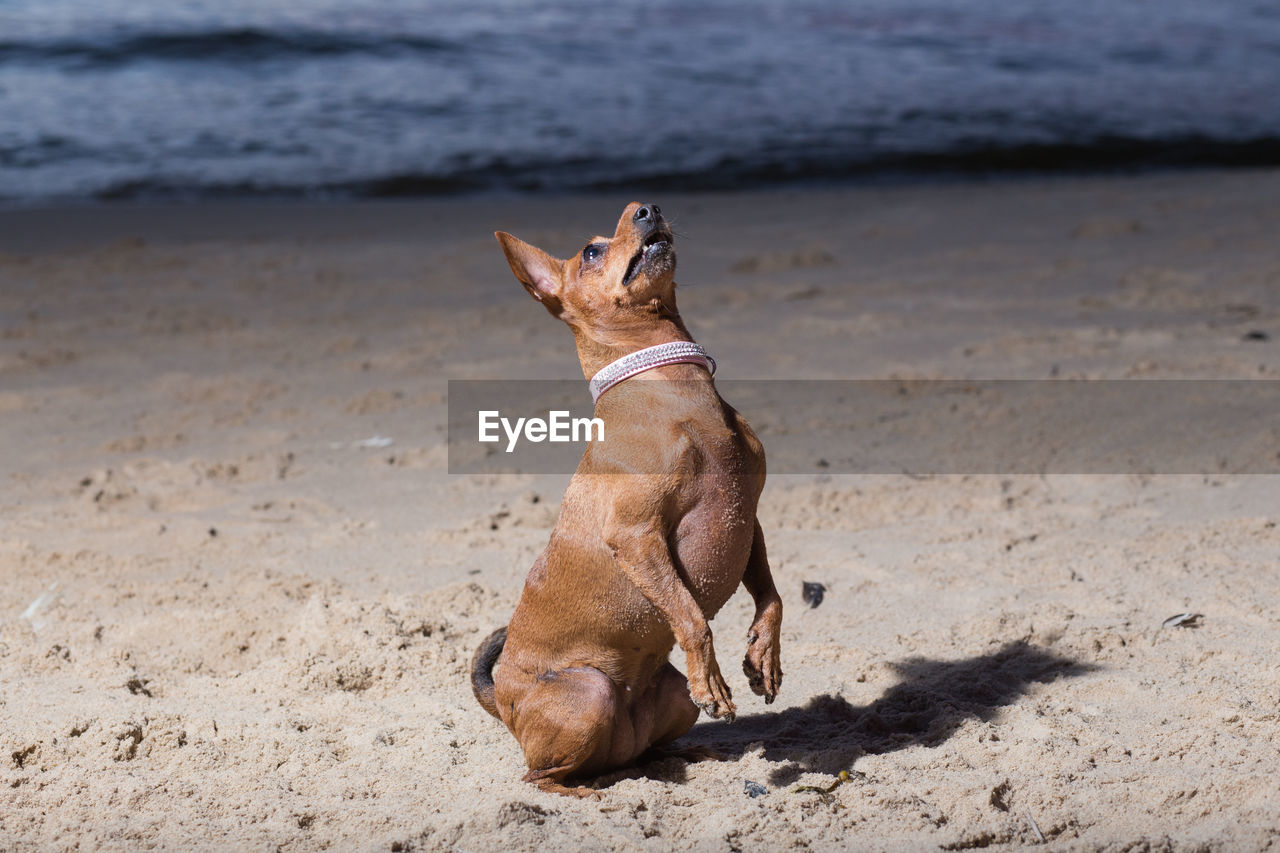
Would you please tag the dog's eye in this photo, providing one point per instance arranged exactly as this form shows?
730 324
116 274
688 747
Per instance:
592 252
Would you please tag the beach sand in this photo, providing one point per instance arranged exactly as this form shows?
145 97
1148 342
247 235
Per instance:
231 620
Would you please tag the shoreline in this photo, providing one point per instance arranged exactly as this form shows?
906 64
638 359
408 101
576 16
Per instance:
133 209
799 170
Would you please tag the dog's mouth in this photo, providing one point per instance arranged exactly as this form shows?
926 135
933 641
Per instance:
656 245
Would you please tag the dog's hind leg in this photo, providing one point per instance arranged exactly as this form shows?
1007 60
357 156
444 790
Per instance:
673 714
568 725
763 664
672 710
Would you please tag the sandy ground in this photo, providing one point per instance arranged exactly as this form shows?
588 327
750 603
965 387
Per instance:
257 626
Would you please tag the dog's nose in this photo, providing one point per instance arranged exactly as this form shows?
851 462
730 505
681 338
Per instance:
648 214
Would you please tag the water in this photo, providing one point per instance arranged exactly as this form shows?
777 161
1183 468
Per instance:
145 98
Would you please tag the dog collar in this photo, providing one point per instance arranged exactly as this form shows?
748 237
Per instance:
648 358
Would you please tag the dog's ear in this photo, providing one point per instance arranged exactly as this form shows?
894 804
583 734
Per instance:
535 269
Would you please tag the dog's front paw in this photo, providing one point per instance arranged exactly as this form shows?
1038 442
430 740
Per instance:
710 693
763 664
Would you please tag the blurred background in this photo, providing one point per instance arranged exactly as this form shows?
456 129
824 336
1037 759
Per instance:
121 99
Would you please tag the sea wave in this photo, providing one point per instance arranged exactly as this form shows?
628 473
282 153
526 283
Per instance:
241 44
124 99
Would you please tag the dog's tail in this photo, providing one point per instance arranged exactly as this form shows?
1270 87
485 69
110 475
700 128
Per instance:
482 669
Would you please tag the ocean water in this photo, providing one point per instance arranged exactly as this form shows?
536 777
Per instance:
116 99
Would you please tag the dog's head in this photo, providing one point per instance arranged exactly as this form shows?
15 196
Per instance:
613 282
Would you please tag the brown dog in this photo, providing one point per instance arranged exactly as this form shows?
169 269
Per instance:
657 529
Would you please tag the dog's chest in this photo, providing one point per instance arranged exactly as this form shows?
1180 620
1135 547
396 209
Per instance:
712 542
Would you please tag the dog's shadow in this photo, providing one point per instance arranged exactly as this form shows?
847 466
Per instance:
828 734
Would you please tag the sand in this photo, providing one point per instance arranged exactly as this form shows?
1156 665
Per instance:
253 614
